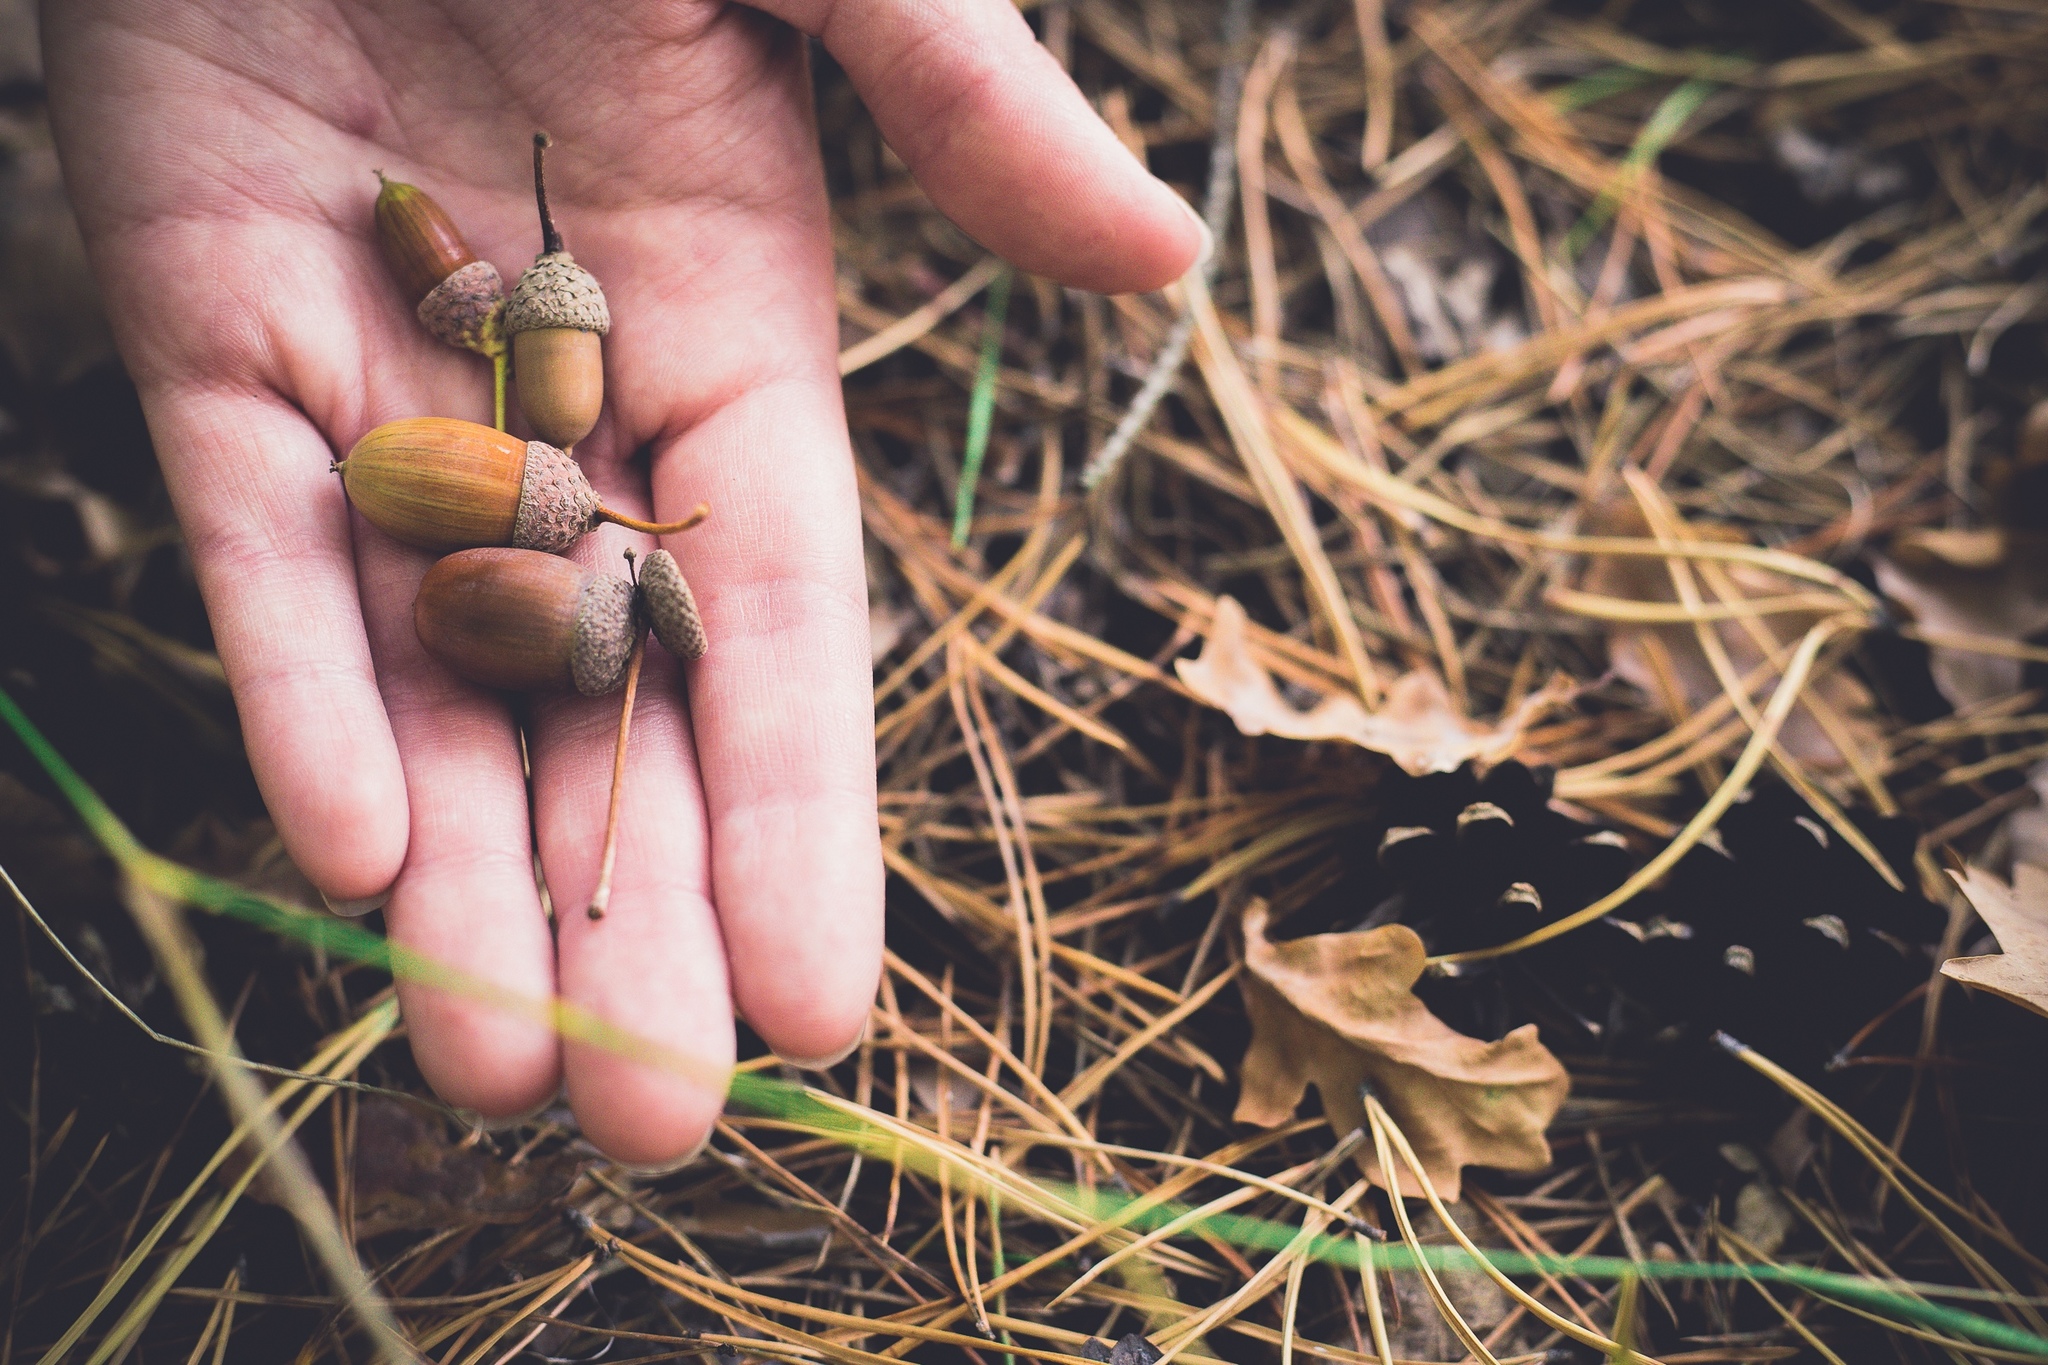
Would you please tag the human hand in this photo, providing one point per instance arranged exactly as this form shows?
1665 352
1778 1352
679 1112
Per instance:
220 157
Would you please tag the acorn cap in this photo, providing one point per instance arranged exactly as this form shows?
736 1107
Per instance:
556 292
467 308
605 627
671 607
556 503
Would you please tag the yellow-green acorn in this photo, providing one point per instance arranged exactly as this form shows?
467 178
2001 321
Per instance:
557 319
527 622
458 298
445 484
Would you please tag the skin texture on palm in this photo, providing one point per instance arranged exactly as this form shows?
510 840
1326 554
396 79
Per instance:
220 155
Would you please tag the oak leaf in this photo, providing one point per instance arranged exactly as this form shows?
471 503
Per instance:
2018 916
1417 726
1338 1011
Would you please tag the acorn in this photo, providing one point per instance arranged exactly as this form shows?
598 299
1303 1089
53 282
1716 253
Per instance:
460 299
527 622
557 318
445 484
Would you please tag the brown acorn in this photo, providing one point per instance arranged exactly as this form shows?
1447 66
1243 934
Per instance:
557 318
460 299
445 484
527 622
670 606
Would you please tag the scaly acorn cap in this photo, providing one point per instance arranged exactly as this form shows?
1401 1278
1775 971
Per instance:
445 484
671 607
556 292
468 309
557 505
605 626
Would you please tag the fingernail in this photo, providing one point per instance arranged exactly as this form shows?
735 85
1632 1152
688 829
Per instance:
1208 238
499 1125
827 1062
357 908
661 1168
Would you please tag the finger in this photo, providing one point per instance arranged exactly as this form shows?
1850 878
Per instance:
466 897
780 706
654 965
1002 140
269 534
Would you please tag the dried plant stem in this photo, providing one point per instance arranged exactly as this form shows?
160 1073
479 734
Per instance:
156 916
656 528
1216 215
601 898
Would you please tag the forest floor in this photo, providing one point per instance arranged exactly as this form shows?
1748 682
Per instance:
1526 694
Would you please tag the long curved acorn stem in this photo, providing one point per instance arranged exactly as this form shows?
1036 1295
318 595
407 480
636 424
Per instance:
602 897
501 361
550 239
654 528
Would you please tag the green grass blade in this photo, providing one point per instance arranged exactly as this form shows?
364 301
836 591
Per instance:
981 405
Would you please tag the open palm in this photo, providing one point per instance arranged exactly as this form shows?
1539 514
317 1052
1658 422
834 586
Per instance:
220 154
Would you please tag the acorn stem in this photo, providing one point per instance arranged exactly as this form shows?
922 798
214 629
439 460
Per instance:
602 897
501 361
654 528
550 239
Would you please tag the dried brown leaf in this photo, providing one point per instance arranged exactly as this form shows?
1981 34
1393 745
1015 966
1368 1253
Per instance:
1338 1011
1418 726
1990 582
409 1176
2018 916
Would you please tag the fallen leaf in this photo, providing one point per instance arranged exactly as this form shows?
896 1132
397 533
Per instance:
2025 831
410 1177
1338 1011
1761 1217
1418 726
2018 916
1991 582
1667 661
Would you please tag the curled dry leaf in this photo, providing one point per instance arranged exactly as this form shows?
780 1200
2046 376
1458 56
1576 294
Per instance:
2018 916
1990 582
1667 661
408 1175
1338 1011
1418 726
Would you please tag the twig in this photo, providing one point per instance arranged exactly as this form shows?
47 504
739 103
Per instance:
1216 214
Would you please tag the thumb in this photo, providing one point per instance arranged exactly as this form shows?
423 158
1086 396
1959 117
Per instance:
1002 141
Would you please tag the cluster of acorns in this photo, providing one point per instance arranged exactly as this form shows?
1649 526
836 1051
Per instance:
502 609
